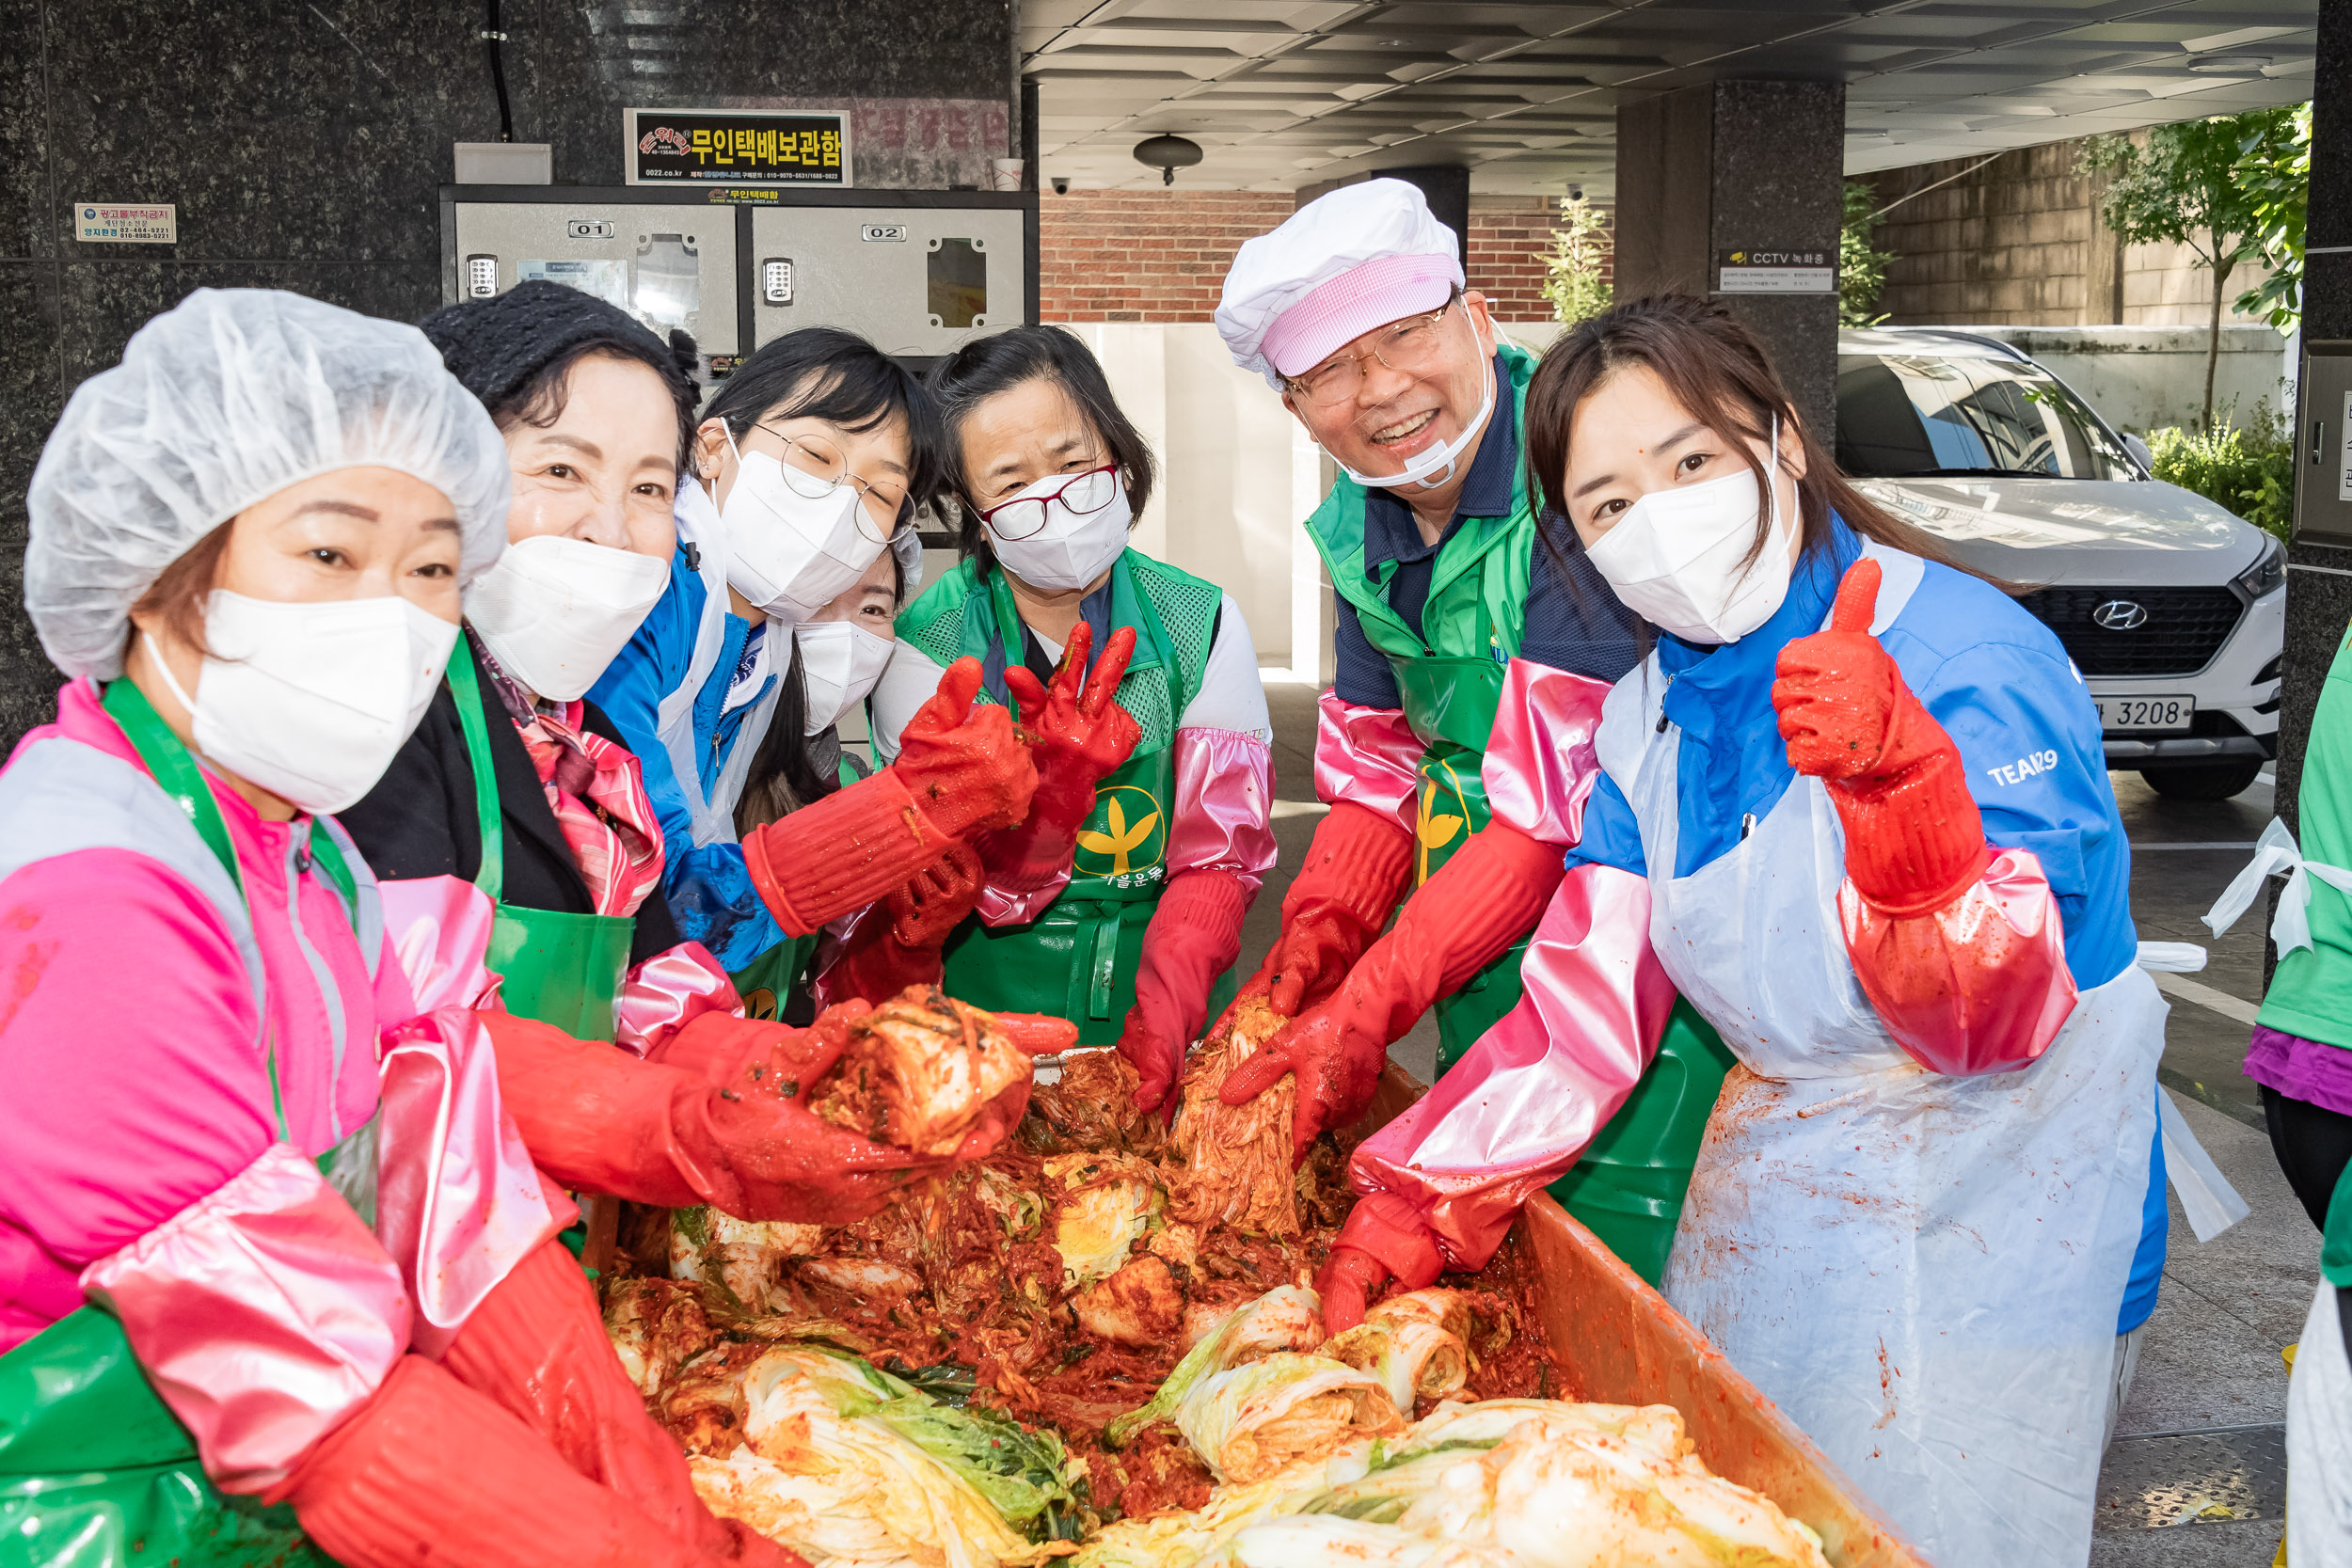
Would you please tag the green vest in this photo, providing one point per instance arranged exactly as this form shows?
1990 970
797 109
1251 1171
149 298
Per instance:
1078 959
2311 992
1628 1186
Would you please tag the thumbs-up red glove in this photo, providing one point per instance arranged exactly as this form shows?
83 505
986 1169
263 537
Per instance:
1915 839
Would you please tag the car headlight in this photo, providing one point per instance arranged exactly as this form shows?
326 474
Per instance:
2267 571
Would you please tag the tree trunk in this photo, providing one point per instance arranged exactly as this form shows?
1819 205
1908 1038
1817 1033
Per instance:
2212 333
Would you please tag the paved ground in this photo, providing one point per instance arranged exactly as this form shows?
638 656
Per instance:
2193 1477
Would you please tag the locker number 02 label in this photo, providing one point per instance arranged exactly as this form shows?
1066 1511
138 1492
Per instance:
884 234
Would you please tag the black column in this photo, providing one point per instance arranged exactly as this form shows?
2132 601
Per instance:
2319 577
1446 187
1738 166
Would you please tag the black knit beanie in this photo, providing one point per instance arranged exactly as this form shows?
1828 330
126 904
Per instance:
497 346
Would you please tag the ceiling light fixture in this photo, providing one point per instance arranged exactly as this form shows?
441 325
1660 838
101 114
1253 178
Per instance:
1167 154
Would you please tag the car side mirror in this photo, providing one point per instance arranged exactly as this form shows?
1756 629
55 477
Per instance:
2140 454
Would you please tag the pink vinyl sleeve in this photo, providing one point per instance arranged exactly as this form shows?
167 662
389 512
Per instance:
1516 1110
1540 765
1223 817
263 1313
1367 755
1979 985
667 992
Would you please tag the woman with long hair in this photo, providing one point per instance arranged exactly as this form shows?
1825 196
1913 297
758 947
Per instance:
1854 808
1117 902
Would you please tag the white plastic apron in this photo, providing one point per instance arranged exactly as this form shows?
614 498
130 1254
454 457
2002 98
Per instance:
674 717
1923 1272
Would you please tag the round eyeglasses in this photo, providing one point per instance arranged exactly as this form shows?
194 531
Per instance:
1081 493
813 467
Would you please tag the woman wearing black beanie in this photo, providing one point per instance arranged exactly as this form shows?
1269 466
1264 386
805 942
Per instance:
517 802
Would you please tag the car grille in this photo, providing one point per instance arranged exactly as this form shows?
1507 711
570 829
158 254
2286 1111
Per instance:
2185 628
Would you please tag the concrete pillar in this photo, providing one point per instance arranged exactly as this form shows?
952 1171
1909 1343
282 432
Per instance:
2319 577
1731 166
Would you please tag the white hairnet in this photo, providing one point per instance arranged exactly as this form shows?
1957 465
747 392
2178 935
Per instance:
221 401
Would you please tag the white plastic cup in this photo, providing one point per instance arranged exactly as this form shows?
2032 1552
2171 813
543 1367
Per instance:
1009 173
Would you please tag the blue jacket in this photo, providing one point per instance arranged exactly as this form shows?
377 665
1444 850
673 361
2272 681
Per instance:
2001 686
710 894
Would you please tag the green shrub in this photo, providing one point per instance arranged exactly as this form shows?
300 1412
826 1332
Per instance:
2250 469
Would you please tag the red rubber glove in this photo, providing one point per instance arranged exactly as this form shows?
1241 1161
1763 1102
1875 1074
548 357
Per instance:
1345 890
536 1347
1078 735
597 1119
961 770
431 1473
1489 894
899 944
1349 1276
1915 839
1193 934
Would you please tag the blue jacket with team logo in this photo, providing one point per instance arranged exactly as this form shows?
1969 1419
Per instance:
2003 688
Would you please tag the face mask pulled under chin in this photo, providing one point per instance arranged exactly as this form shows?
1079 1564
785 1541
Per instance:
788 554
555 610
312 701
1073 549
1678 558
840 662
1435 466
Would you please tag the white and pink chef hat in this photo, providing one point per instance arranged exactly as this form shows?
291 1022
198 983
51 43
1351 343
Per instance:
1360 257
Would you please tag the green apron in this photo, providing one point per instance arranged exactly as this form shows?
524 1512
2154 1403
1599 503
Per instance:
1078 959
95 1470
1627 1188
560 968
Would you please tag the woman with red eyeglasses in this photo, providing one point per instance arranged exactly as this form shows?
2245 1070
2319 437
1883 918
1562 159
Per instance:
1117 901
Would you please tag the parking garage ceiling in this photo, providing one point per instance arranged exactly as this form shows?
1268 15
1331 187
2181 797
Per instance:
1282 94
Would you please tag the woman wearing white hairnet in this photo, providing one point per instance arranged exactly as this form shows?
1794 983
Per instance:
264 1228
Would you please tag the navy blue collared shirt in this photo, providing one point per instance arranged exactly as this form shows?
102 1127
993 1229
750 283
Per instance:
1572 620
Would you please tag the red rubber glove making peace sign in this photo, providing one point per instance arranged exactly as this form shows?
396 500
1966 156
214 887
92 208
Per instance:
1078 735
1915 839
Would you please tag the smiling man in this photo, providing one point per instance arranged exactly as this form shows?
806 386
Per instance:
1460 628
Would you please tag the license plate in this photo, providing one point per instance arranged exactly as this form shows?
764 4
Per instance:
2146 713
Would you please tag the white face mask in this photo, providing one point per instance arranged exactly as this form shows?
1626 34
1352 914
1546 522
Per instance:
790 554
554 611
1676 556
1424 470
312 701
840 661
1073 547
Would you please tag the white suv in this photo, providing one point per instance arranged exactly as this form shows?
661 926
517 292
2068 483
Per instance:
2174 609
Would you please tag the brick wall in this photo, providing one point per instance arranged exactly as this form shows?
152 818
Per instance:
2019 243
1161 256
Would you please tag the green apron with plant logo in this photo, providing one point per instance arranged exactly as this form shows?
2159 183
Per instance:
1078 959
560 968
1627 1187
95 1470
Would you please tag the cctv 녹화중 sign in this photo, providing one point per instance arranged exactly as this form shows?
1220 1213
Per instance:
1747 270
738 146
126 223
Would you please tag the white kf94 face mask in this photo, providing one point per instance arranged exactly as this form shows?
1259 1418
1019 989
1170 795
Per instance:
1435 466
840 661
554 611
789 553
312 701
1073 547
1678 556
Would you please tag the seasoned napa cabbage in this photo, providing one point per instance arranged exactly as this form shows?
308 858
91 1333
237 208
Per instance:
1108 1203
1249 1421
1179 1539
1289 1316
1554 1494
1332 1542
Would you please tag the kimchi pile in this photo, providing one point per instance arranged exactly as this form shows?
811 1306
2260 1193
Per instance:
1104 1341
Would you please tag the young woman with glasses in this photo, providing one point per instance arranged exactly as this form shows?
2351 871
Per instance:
811 461
1117 902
